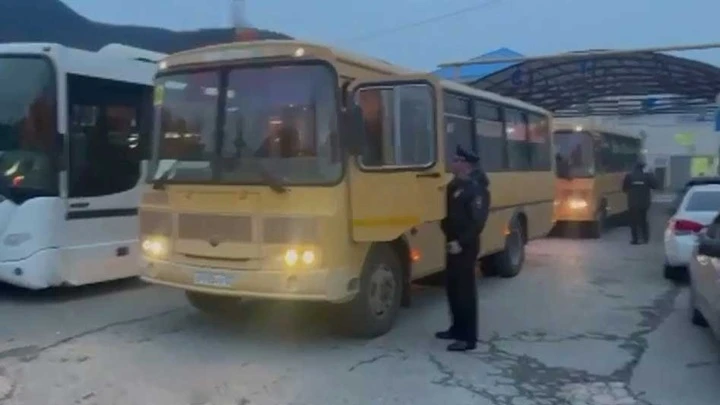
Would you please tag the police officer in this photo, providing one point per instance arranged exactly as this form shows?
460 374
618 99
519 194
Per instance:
468 201
637 185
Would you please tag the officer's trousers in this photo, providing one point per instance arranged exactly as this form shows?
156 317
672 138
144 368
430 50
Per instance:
639 226
461 288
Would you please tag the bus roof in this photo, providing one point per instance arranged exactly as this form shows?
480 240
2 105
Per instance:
570 125
507 101
290 48
114 61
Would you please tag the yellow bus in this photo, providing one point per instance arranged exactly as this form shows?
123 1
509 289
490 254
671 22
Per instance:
288 170
591 165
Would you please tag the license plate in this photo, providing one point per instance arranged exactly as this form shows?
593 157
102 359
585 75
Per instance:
213 279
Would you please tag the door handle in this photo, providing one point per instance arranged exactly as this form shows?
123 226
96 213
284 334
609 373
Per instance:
434 175
80 205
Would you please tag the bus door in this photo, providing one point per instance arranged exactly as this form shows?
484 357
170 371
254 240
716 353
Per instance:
105 174
397 183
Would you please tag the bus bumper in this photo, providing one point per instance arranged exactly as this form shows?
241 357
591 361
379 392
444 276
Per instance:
564 214
302 285
35 272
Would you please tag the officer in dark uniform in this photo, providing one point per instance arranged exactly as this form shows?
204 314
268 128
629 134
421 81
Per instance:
468 203
637 185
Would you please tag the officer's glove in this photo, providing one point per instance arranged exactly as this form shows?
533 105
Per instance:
454 247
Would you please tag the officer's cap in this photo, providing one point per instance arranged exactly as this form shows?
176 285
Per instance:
466 155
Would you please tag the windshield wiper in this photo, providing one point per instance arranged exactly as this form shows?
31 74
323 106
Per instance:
159 183
273 182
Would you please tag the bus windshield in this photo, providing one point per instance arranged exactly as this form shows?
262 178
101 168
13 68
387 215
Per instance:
273 121
28 128
574 153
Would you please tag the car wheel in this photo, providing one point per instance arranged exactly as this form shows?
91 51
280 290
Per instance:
675 273
696 317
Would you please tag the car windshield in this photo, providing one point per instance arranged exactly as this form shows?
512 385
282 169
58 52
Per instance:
277 121
575 153
703 201
28 128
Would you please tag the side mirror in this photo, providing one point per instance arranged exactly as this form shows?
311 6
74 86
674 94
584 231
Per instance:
352 128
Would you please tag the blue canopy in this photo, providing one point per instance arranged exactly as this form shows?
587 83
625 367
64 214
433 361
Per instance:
471 73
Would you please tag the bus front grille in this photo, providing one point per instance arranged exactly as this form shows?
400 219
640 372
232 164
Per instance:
228 228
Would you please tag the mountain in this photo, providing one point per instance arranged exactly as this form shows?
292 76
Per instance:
53 21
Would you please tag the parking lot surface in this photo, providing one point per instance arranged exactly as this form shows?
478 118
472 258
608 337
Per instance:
586 322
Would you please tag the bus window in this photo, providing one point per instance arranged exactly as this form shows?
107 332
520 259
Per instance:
376 105
539 142
399 125
104 132
576 150
458 126
516 135
490 139
28 127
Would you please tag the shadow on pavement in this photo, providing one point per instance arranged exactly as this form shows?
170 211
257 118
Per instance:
62 294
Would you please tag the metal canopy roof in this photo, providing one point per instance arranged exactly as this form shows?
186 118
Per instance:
595 83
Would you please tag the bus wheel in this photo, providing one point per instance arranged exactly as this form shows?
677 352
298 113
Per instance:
509 262
597 226
212 304
374 309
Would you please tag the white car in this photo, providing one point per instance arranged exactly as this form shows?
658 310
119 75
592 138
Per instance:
696 210
704 270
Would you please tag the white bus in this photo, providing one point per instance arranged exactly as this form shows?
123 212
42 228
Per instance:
73 128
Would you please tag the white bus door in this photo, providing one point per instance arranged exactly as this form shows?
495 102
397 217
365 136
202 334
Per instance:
104 155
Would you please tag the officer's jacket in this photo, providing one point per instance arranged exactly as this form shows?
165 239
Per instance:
637 186
468 205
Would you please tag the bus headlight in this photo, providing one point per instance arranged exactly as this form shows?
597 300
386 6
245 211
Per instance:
577 203
16 239
293 256
155 247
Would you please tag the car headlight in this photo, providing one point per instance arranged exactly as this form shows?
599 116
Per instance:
16 239
294 256
155 247
577 203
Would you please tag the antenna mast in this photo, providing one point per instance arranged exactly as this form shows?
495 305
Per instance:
244 31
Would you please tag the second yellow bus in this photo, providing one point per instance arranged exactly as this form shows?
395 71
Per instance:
591 164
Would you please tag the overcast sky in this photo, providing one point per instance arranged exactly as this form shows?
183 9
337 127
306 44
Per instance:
530 27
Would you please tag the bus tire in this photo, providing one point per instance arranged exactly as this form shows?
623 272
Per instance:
487 266
509 262
212 304
374 309
598 225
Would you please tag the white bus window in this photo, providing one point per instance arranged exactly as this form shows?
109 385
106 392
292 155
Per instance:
104 129
28 128
399 126
516 135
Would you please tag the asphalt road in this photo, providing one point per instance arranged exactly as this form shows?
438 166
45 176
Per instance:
587 322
